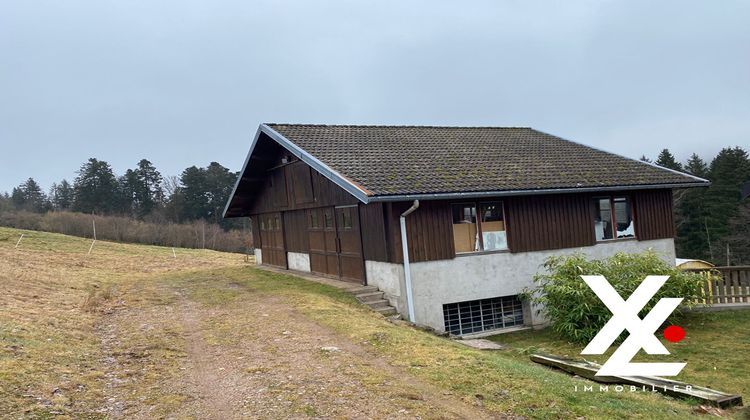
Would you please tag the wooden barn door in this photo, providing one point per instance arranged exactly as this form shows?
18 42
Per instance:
322 230
351 263
335 243
272 240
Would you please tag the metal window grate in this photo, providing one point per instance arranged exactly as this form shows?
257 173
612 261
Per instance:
482 315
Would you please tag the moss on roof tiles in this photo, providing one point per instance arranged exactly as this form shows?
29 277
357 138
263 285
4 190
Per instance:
395 160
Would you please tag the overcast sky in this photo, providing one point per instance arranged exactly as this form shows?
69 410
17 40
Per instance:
185 83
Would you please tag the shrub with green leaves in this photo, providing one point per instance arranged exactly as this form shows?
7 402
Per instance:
573 309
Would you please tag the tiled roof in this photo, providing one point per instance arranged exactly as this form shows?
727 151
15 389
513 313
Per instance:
401 160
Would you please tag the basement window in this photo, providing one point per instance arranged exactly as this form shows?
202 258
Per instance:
483 231
476 316
613 218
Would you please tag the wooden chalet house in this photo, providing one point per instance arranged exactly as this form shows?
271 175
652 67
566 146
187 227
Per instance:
479 209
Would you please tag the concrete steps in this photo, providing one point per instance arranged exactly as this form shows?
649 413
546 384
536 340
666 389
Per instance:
374 298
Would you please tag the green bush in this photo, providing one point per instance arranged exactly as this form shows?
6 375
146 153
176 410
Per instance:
573 309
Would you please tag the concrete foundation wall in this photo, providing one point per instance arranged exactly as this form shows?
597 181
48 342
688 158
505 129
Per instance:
298 261
258 256
479 276
389 278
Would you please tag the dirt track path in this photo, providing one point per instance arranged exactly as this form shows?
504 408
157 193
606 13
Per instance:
256 358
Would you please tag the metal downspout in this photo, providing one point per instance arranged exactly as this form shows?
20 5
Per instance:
405 249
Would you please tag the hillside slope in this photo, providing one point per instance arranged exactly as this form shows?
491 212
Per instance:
137 331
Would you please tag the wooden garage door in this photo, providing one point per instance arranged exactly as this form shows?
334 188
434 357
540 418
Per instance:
321 226
272 240
335 243
351 263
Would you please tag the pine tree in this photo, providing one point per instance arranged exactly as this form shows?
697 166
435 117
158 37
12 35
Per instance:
95 188
193 194
738 239
729 170
667 160
645 159
61 195
6 203
151 193
220 183
130 193
29 196
696 166
204 192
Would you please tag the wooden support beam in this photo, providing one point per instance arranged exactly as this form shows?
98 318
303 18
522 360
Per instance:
651 383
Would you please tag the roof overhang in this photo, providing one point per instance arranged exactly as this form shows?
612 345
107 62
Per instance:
508 193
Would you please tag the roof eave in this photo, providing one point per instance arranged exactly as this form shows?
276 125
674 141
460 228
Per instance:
509 193
242 172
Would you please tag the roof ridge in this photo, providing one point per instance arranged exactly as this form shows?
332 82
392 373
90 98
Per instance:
398 126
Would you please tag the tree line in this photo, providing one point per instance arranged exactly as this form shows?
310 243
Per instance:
142 193
713 223
139 206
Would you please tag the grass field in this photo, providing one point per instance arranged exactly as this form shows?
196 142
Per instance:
131 331
716 347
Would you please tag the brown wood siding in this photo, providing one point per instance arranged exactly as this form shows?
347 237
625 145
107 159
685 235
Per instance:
537 223
429 231
278 188
255 228
295 231
288 188
301 183
653 214
372 221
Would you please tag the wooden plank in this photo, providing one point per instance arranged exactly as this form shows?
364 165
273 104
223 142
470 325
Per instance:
651 383
653 214
715 290
707 291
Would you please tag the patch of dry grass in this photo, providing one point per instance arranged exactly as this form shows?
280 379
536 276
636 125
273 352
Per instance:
52 297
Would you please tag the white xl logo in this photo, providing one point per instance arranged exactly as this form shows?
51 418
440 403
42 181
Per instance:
625 317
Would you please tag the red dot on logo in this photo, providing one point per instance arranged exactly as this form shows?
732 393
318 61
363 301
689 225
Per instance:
674 333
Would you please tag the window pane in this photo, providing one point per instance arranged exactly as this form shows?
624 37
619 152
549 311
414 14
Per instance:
262 224
603 219
314 219
346 218
493 226
624 218
277 224
465 235
328 219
